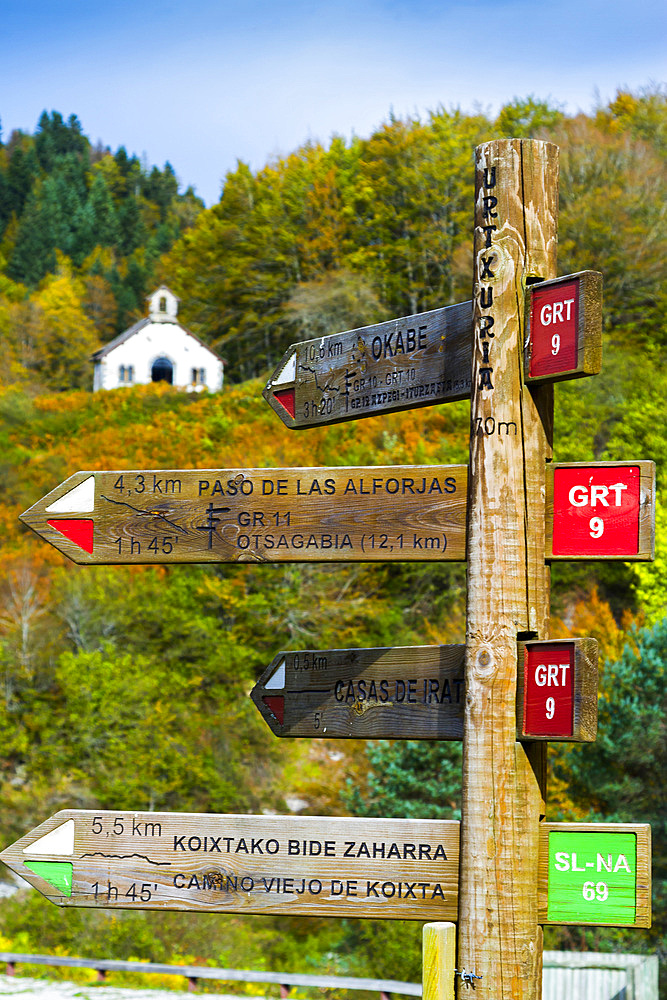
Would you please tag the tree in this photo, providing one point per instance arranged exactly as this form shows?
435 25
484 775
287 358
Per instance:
338 301
33 254
612 195
620 777
417 779
66 337
527 118
22 172
104 213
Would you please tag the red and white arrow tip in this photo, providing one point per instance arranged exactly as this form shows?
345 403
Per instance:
60 516
268 694
280 390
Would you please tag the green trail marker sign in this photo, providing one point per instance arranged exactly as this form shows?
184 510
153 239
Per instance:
598 875
417 692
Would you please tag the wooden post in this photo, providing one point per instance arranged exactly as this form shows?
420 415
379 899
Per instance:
508 583
438 961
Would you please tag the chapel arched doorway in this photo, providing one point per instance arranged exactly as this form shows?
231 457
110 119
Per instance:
162 371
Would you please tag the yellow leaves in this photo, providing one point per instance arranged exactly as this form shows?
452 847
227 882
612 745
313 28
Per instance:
592 616
55 337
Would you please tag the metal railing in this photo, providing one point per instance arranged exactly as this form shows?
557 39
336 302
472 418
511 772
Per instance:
587 976
286 980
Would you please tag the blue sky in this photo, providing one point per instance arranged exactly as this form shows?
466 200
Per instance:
204 83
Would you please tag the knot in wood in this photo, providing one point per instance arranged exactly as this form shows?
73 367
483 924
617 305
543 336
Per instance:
485 662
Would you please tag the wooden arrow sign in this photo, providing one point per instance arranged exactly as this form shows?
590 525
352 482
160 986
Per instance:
317 866
426 358
398 365
416 692
599 510
403 692
257 515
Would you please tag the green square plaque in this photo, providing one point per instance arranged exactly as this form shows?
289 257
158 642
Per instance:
592 877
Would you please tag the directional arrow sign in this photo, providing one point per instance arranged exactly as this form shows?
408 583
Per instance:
404 692
417 692
257 515
378 514
317 866
426 358
403 363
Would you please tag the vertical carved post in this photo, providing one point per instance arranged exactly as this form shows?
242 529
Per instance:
438 961
508 583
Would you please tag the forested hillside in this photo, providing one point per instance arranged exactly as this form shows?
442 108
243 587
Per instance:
126 687
82 231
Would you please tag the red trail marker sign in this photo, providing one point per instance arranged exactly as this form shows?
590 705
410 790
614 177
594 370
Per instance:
416 692
601 511
564 328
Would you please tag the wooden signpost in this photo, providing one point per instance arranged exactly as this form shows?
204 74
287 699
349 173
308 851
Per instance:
503 782
508 514
373 514
427 358
416 692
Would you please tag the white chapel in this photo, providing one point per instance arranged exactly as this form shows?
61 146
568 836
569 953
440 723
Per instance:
158 349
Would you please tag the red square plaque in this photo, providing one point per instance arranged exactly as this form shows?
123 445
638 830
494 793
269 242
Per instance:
548 690
596 511
554 329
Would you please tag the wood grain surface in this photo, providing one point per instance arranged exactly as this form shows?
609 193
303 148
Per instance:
438 960
311 865
516 201
292 865
397 365
378 514
405 692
